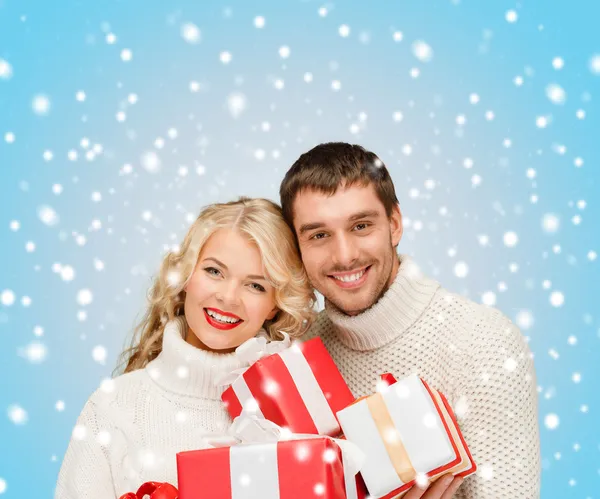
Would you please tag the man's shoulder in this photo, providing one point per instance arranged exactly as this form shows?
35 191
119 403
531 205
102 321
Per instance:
481 320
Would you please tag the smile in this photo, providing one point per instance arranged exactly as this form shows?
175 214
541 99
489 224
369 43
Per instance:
221 320
352 279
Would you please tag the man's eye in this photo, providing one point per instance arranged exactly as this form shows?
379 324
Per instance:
319 235
362 226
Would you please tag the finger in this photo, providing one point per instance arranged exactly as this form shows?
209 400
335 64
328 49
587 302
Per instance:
452 488
434 491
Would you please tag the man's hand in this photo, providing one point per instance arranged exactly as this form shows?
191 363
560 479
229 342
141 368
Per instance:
443 488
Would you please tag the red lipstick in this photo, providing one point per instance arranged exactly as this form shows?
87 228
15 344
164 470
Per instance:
223 326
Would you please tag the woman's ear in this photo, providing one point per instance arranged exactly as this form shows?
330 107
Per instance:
272 314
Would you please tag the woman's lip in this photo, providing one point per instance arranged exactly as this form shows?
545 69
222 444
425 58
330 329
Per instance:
219 325
226 314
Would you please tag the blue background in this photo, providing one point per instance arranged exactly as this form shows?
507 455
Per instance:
113 222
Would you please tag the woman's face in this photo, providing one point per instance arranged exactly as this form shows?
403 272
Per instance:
227 297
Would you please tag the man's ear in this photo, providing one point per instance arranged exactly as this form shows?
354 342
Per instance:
396 226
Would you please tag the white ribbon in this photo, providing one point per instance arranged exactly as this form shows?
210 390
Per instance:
248 429
251 351
308 387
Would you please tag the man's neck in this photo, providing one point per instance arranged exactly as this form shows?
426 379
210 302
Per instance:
398 308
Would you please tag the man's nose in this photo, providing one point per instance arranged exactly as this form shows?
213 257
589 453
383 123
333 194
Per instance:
345 252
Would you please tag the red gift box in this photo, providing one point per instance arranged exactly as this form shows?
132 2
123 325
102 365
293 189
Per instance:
288 469
300 389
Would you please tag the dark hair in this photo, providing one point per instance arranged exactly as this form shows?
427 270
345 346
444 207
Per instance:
329 166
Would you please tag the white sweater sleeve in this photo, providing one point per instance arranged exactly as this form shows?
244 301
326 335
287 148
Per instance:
500 421
85 471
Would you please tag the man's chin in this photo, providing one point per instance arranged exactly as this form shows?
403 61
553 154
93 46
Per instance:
352 307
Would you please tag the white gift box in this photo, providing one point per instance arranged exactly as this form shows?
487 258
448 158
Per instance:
406 433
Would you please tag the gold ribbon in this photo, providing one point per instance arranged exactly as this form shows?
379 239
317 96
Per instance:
391 438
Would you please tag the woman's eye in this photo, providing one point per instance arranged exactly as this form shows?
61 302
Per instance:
257 287
212 271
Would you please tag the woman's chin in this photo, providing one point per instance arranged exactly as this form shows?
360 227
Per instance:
217 345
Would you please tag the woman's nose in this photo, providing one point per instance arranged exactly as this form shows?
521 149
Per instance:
229 294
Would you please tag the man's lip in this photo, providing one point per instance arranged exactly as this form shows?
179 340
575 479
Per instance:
352 272
351 285
226 314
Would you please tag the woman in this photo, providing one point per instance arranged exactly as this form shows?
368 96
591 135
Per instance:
238 274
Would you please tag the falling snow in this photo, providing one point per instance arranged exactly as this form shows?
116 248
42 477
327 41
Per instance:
6 70
190 33
108 166
17 414
40 105
556 94
422 51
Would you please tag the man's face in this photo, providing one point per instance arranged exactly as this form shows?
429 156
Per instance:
348 245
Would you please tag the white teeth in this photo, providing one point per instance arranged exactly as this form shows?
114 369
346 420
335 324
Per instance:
222 318
351 277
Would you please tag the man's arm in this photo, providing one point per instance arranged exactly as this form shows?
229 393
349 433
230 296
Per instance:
499 419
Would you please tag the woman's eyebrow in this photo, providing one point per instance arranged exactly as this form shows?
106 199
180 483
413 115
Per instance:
251 276
218 262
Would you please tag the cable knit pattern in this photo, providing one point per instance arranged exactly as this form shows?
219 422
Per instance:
132 427
471 353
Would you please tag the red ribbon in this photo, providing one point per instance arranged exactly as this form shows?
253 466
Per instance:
388 378
156 490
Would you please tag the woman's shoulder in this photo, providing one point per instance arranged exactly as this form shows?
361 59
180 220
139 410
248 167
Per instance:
120 391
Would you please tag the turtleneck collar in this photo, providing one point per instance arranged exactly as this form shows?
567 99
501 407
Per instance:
186 370
398 309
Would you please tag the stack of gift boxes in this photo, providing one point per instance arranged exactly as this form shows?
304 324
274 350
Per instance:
316 436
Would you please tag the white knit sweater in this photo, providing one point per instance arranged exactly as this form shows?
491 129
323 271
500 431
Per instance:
132 427
471 353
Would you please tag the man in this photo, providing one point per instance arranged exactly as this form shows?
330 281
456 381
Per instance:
382 314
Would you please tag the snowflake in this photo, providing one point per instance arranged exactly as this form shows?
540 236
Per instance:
191 33
344 30
422 51
99 354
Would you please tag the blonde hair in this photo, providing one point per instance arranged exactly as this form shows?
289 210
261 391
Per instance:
262 221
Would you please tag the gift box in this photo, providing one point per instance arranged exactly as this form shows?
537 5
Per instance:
408 432
299 388
313 467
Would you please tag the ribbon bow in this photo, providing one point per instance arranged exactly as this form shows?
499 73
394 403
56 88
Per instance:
155 490
251 351
250 429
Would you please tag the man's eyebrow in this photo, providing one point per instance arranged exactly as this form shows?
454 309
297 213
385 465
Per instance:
352 218
312 226
363 214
